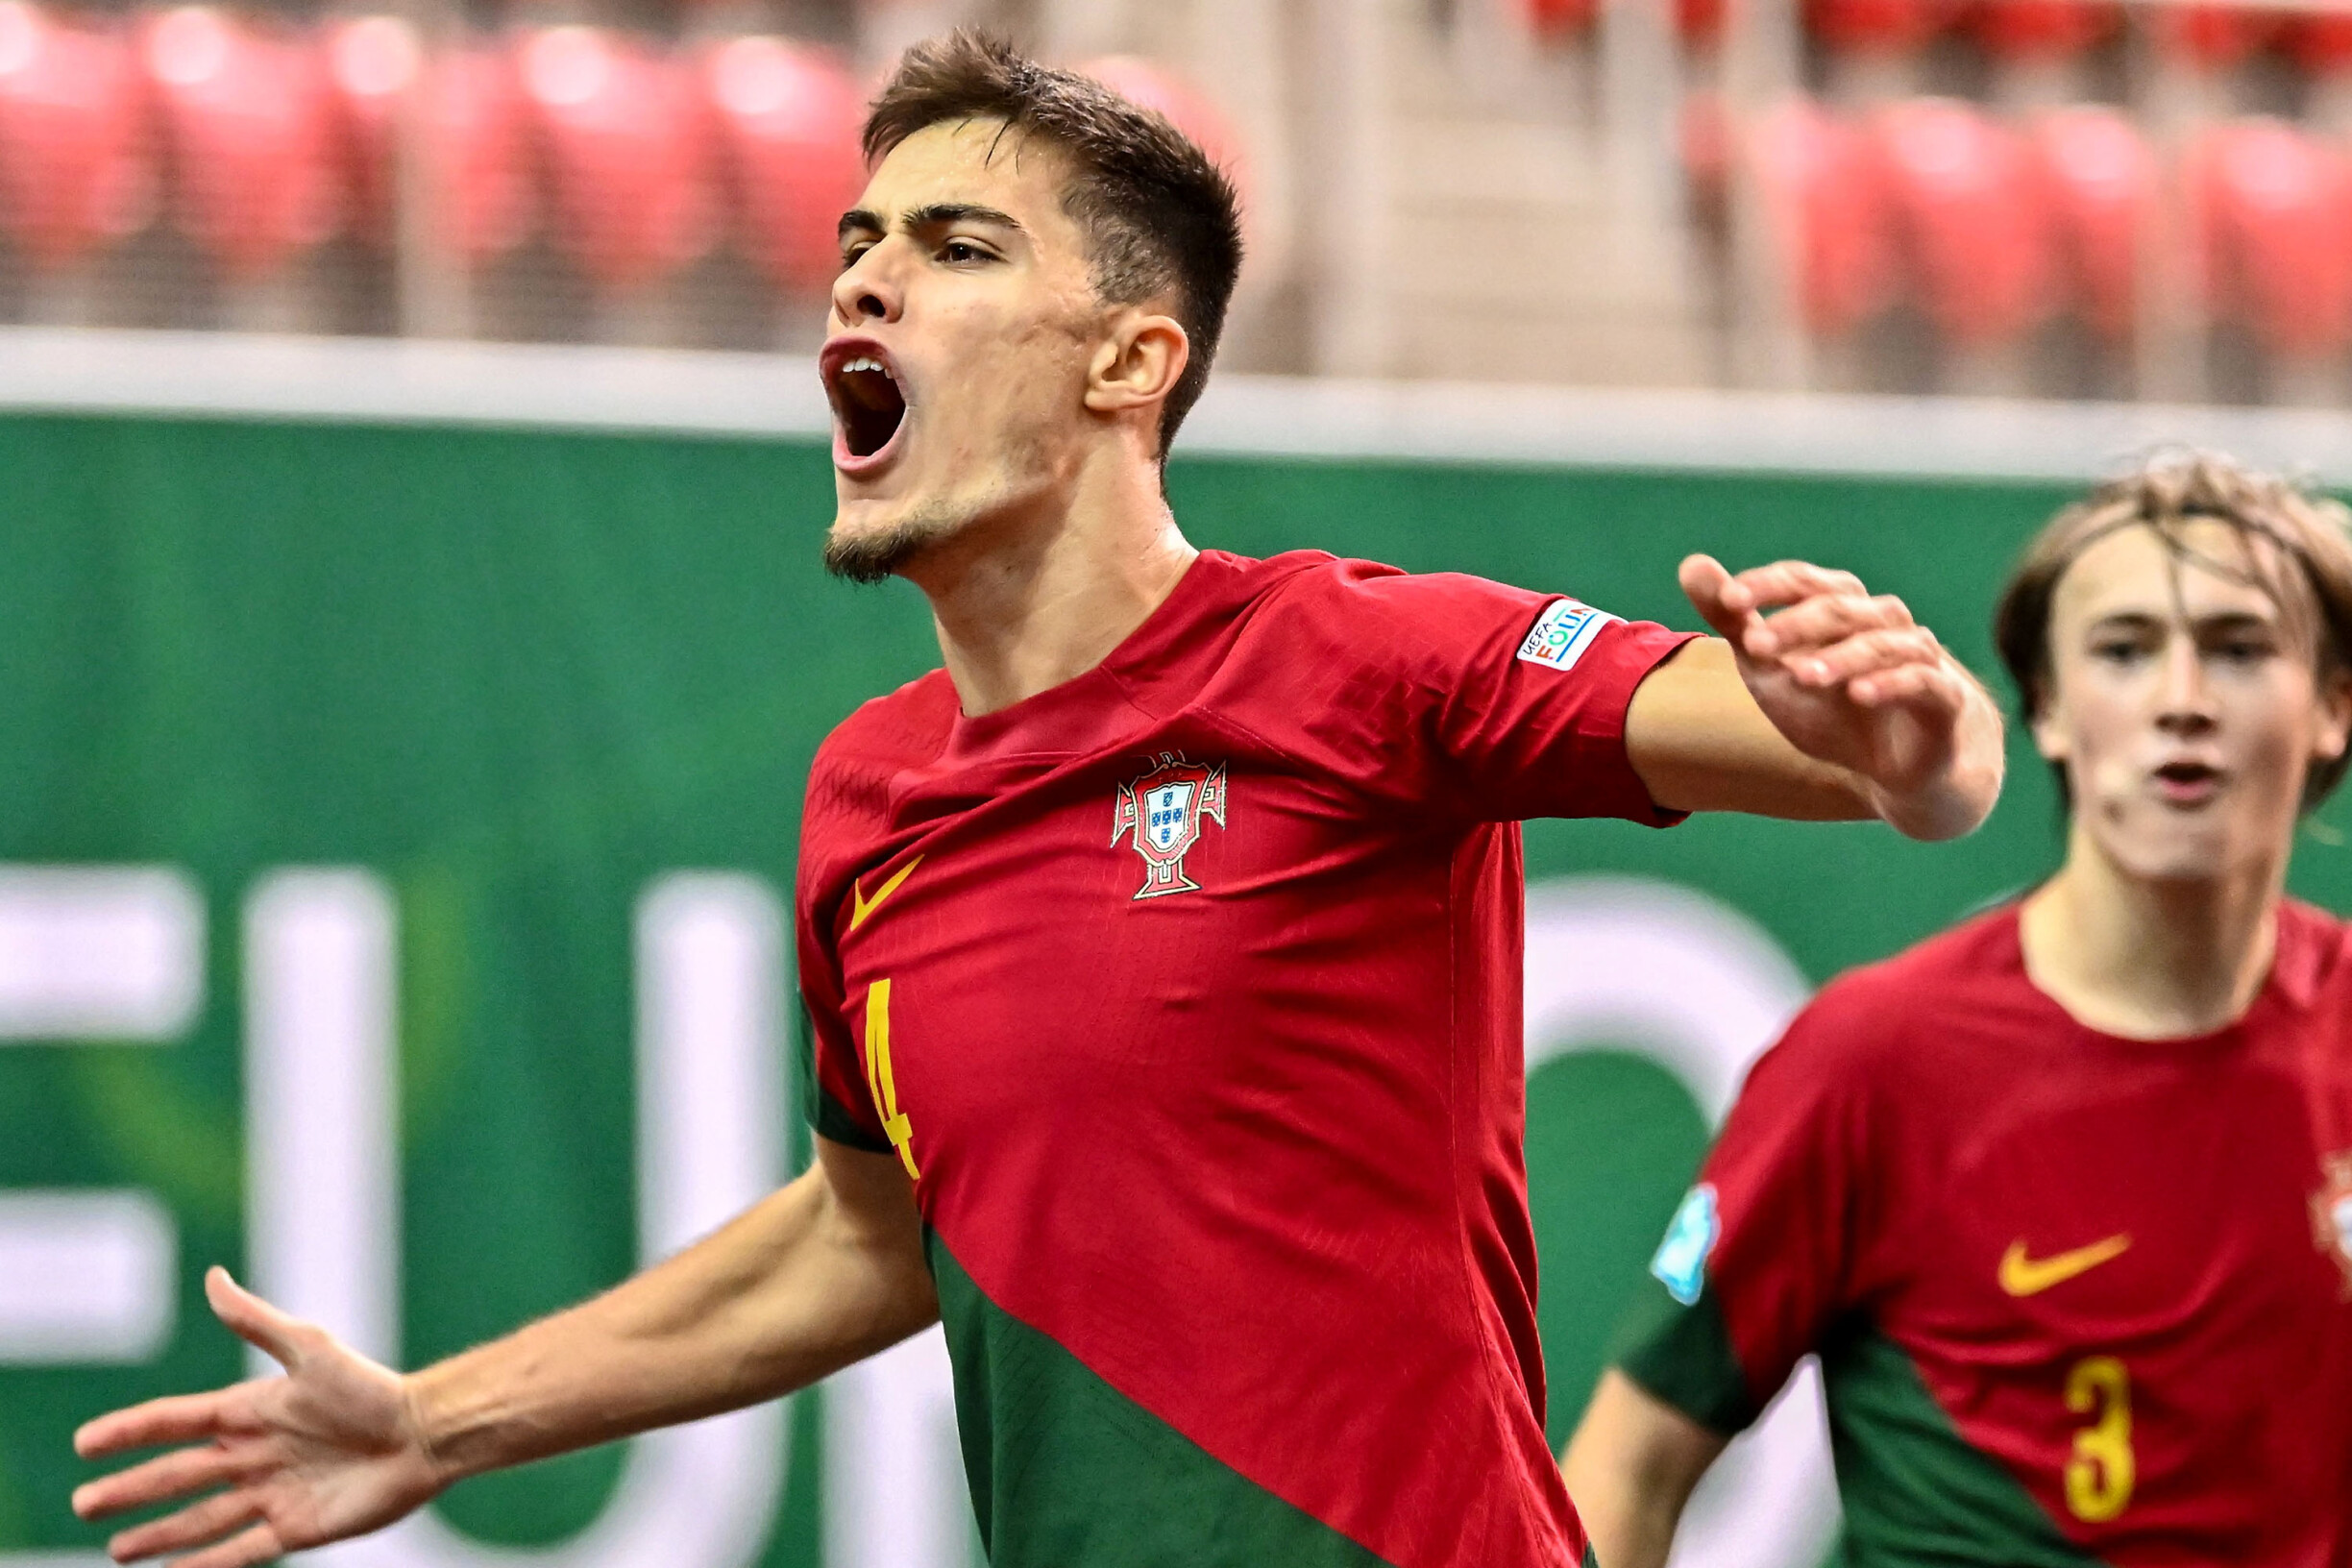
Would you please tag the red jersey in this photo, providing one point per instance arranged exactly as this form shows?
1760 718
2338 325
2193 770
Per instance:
1189 994
2077 1298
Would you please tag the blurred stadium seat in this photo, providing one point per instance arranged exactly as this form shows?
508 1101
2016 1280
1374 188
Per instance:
1699 23
1971 222
73 172
2320 42
624 139
1823 194
2214 38
788 118
2274 213
1884 27
1555 20
2103 187
2019 32
245 116
469 117
373 66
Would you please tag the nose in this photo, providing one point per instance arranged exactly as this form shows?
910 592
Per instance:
867 291
2185 701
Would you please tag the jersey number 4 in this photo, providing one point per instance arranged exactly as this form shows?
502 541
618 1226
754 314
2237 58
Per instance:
880 1083
2099 1477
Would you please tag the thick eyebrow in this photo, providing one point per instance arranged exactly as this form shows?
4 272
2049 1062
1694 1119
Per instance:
860 220
941 214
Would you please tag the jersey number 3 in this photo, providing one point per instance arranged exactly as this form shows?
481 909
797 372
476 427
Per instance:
880 1083
2099 1477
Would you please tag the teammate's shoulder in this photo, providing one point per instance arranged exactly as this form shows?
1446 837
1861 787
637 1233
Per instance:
2312 924
2314 950
1888 1004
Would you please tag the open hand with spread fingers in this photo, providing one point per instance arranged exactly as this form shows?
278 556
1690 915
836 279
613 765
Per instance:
330 1448
1851 679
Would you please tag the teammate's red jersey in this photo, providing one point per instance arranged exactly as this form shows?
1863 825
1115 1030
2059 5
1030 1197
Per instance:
1189 992
2077 1298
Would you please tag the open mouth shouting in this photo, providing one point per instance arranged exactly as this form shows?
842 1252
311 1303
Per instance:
870 406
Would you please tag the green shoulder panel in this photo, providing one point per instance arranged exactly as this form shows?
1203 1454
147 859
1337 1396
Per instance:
1066 1472
1683 1356
821 1110
1917 1493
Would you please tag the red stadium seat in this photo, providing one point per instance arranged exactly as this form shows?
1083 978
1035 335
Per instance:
1876 27
1973 232
788 118
73 174
1703 132
1825 204
246 117
2274 213
2104 188
2214 38
373 64
1552 20
625 140
2019 32
1699 23
472 124
2321 42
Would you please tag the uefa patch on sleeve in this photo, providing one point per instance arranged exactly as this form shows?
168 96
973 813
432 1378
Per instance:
1681 1264
1562 633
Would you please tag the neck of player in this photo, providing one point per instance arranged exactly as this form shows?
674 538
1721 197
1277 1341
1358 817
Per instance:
2148 958
1042 592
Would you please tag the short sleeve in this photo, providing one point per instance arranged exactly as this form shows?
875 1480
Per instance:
1763 1257
829 1079
1517 698
834 1097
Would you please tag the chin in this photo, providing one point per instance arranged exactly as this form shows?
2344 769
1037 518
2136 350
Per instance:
2182 854
867 543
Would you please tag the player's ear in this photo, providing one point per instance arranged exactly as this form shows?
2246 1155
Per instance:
2047 724
1138 362
2335 730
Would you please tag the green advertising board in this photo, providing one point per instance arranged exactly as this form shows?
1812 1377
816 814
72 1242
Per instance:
526 696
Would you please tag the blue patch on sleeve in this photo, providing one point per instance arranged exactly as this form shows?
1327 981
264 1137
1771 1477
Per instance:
1681 1264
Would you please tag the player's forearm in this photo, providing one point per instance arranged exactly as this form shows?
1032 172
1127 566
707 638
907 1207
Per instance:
793 1289
1630 1468
1699 741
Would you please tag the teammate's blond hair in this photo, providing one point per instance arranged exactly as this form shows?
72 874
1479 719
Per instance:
2296 548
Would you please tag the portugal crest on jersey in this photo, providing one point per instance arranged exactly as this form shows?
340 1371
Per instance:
2332 1215
1164 811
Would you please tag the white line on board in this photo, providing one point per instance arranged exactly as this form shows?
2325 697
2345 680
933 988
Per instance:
379 381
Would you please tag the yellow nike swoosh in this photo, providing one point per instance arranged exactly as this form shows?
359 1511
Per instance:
861 907
2023 1276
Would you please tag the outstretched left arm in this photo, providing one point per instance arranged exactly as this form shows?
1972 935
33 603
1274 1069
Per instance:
1834 706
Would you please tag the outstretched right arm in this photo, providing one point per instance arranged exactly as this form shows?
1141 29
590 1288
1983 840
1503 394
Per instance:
822 1273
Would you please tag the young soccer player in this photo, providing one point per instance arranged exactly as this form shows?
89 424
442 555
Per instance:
1161 950
2063 1197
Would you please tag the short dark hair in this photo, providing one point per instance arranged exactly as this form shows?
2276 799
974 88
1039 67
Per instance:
1158 215
2307 571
